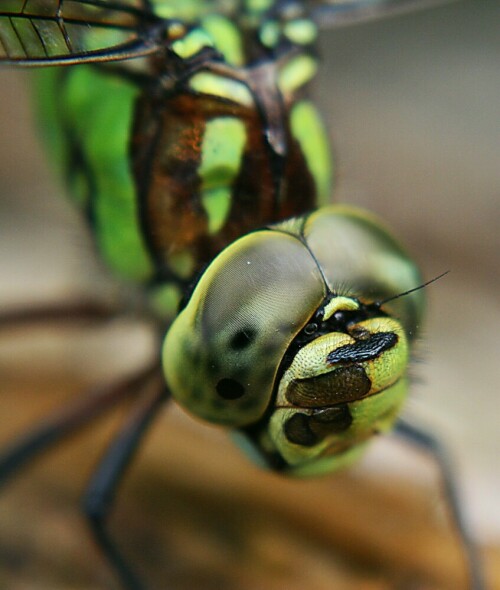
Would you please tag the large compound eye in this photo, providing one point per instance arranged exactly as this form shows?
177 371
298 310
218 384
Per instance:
222 353
355 250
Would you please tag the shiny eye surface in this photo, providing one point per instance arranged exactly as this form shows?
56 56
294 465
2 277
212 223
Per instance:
223 351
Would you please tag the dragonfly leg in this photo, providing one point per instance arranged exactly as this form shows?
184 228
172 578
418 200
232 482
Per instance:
428 443
67 420
100 494
84 311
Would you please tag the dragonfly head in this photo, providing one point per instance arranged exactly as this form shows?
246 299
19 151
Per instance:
266 344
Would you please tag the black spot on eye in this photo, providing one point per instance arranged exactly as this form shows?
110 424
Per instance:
230 389
242 338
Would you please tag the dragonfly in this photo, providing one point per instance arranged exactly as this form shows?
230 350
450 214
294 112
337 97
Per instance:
189 140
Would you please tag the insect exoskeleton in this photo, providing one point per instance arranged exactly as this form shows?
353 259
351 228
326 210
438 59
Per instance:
292 338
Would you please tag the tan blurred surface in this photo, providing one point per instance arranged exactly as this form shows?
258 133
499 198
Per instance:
194 514
413 105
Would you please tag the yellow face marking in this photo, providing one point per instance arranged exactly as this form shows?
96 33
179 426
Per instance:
340 304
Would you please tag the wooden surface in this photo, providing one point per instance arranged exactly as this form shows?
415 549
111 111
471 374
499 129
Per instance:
194 514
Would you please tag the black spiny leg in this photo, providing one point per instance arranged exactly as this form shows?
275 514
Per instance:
431 445
67 420
100 493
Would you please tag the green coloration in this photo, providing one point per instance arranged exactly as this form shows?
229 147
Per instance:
102 128
376 413
367 262
12 41
50 123
182 264
208 83
311 360
258 6
191 44
309 131
226 38
31 41
164 300
186 10
52 43
97 38
339 304
269 33
217 204
221 155
297 72
328 465
301 31
245 296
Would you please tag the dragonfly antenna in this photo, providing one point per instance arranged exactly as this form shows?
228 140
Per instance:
380 303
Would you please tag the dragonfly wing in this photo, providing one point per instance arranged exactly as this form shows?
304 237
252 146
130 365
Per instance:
333 13
65 32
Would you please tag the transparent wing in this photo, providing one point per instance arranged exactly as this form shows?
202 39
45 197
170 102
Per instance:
333 13
59 32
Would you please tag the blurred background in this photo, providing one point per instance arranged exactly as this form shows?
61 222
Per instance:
413 107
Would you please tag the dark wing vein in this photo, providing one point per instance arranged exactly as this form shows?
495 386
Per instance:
52 32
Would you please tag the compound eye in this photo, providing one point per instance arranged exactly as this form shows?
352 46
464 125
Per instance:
222 353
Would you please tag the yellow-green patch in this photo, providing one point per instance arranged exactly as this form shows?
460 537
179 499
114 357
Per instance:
208 83
309 131
164 300
301 31
297 72
192 43
269 33
226 38
182 264
222 151
102 127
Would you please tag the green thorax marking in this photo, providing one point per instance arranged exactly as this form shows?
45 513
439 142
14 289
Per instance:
221 155
169 178
236 145
88 119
